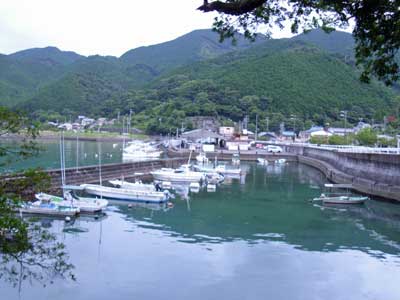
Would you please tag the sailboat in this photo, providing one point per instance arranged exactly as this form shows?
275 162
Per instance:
84 204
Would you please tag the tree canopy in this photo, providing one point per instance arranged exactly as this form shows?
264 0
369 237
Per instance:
376 25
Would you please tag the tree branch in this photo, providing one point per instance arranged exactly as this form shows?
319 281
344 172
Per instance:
231 8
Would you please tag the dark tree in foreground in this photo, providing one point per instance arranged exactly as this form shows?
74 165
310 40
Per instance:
376 25
27 251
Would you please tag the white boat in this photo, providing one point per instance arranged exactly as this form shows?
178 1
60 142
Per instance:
85 205
182 174
280 161
133 185
262 161
126 194
48 209
341 199
236 159
138 150
202 158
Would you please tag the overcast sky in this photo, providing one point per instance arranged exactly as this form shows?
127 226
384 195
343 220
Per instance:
106 27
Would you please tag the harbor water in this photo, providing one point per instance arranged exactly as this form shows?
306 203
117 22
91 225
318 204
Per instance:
258 237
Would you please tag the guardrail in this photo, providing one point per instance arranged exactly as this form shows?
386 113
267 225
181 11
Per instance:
346 148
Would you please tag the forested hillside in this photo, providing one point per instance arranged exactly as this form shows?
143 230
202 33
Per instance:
311 76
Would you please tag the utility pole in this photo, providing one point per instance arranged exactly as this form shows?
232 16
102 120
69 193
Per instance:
343 114
256 128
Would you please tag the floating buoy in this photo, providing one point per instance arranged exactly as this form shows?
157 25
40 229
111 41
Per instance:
170 204
129 205
67 219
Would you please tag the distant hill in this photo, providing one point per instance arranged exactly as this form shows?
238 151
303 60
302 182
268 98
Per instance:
195 46
24 72
335 42
48 55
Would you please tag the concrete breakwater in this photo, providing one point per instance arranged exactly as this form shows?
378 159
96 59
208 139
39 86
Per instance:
91 174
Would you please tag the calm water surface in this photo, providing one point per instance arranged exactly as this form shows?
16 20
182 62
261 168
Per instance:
85 154
259 238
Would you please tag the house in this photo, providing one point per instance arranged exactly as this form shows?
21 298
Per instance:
202 135
227 131
322 132
340 131
86 121
288 135
361 125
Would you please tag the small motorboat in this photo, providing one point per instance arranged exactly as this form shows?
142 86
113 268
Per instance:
126 194
85 205
48 209
340 197
182 174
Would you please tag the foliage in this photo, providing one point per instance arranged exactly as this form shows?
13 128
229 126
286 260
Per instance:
27 252
338 140
376 30
366 137
318 139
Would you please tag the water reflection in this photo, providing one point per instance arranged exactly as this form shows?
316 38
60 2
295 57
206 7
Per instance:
263 237
39 259
274 206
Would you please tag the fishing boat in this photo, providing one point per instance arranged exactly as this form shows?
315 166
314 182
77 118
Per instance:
48 209
340 197
182 174
85 204
126 194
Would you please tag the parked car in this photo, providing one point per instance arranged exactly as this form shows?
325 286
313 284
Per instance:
273 149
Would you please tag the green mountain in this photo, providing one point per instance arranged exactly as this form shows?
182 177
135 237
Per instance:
309 76
195 46
24 72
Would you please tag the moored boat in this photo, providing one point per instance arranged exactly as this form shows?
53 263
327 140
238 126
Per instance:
126 194
85 204
182 174
47 209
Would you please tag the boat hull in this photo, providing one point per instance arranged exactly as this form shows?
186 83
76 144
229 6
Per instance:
126 194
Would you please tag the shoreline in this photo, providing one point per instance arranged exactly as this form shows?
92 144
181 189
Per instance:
91 137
